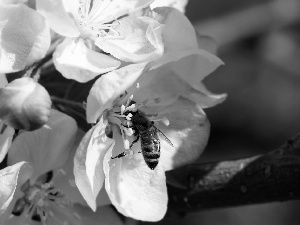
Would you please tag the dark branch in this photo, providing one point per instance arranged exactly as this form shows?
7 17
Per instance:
259 179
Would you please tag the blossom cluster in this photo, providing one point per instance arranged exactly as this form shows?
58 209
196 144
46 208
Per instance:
145 108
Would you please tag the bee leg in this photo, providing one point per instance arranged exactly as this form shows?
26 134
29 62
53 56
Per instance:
120 155
135 141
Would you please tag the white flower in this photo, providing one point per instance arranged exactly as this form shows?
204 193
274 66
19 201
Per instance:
6 132
92 27
178 4
38 185
24 39
134 188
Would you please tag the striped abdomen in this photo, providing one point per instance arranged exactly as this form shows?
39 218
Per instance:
150 146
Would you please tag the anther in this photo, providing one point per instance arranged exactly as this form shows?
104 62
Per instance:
165 121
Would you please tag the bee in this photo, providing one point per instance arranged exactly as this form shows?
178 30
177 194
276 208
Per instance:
145 131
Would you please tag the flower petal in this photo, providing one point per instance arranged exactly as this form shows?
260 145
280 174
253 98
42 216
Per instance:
6 135
104 11
63 178
203 97
2 2
207 43
19 220
24 38
78 215
166 84
88 160
110 86
178 4
8 184
47 148
134 189
105 215
3 80
178 33
161 83
180 40
196 66
58 17
188 131
139 40
74 60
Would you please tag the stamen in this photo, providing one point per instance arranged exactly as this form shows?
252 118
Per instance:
128 117
126 144
63 172
131 108
164 120
122 109
129 131
129 100
37 198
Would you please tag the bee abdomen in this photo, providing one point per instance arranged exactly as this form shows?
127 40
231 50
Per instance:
151 164
151 155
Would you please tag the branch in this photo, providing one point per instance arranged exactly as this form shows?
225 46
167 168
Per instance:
260 179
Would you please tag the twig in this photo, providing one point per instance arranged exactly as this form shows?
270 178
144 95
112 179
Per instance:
66 102
264 178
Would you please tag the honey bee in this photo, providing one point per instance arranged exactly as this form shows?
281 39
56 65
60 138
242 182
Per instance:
148 134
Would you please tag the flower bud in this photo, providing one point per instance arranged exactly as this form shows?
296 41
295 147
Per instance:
24 104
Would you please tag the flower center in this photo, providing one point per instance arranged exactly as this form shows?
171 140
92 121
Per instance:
37 199
92 22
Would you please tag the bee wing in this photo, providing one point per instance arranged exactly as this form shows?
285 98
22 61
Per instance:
164 136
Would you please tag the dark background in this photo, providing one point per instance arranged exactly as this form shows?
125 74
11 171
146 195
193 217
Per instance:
260 45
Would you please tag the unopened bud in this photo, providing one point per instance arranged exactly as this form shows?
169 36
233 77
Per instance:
24 104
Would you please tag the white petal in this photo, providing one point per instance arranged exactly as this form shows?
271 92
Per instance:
181 40
88 160
178 4
195 66
139 40
74 60
18 220
2 2
79 215
203 97
178 33
110 86
8 183
24 38
171 81
104 11
134 189
63 178
47 148
6 136
3 80
105 215
207 43
57 16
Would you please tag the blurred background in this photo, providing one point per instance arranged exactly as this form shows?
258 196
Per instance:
259 41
